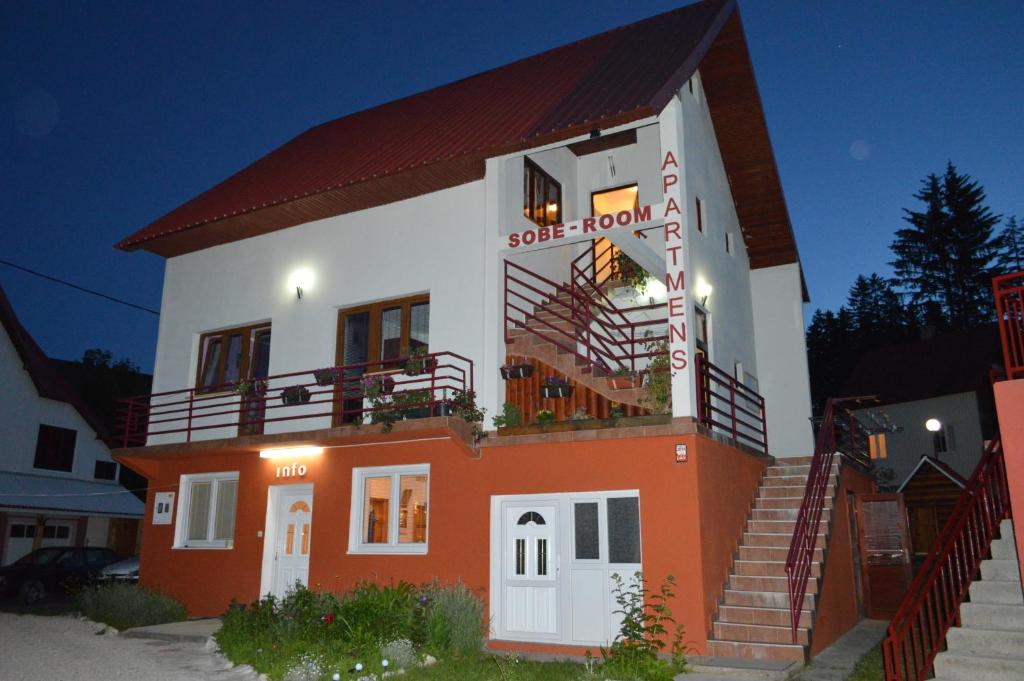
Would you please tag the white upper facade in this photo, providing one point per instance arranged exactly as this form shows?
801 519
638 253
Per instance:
451 245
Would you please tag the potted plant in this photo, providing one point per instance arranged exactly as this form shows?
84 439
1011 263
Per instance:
626 270
414 404
251 388
623 379
295 394
327 375
511 416
377 384
516 370
555 386
419 363
545 416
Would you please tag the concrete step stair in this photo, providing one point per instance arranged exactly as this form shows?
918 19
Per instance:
989 643
711 668
753 620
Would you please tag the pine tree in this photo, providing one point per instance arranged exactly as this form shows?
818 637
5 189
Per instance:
947 256
877 315
830 353
1013 236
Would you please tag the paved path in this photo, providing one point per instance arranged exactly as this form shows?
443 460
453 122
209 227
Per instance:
69 649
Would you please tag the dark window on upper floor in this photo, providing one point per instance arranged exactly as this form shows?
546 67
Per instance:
105 470
542 195
55 448
227 357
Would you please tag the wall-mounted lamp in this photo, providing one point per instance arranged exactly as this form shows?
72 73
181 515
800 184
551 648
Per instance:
301 280
703 290
288 452
933 425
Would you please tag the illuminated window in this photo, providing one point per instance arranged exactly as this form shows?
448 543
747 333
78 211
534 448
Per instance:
389 509
542 195
227 357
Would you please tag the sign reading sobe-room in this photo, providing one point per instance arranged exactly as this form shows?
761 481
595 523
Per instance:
593 225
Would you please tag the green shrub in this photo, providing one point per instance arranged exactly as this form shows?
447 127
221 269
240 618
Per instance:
123 606
634 654
454 619
372 616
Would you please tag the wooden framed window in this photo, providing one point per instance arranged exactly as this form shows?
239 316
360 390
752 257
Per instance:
376 336
55 448
542 195
700 214
229 356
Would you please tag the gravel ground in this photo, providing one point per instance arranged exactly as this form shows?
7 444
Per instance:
36 648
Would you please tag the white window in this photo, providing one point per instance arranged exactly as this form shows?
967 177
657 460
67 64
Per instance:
389 509
206 513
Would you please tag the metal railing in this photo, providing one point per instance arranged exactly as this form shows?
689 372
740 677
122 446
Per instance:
931 606
578 318
726 406
342 393
839 431
1009 294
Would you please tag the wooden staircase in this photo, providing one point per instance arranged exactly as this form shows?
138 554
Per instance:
753 620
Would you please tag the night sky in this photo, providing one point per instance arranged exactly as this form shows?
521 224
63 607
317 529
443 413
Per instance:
112 114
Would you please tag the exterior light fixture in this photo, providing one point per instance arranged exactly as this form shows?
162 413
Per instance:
933 425
703 290
301 280
288 452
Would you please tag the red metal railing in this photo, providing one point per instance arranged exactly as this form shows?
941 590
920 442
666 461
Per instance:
727 406
931 606
1009 295
178 415
839 432
579 319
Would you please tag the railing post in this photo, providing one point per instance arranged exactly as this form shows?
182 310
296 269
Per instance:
732 408
128 423
188 431
764 426
433 383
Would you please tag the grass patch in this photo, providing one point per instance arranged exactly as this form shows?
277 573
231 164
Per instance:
123 606
495 668
869 667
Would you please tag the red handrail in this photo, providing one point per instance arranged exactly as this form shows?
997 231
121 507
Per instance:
1009 294
188 411
932 604
727 406
593 335
838 428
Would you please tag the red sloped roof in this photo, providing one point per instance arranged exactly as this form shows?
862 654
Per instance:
440 138
47 380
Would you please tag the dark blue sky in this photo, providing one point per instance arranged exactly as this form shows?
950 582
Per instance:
112 114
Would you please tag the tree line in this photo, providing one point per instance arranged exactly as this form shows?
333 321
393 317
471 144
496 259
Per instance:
944 259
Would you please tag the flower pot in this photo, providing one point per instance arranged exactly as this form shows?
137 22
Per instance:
516 371
387 384
624 382
325 376
555 391
443 409
295 395
422 366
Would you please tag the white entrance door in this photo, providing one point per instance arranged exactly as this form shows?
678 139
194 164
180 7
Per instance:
292 537
530 570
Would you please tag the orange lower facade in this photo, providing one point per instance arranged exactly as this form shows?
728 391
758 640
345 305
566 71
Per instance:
692 510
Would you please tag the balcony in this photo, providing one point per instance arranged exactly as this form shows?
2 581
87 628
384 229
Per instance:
1009 295
401 388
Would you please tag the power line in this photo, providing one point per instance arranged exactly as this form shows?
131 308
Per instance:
79 288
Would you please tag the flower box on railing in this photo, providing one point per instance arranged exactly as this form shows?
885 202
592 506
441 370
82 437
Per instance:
295 394
624 380
511 372
555 387
327 376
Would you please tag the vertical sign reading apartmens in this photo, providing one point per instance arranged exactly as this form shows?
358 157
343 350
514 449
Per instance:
676 261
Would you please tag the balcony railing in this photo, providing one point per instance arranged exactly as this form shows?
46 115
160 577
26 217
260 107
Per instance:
1009 294
332 396
726 406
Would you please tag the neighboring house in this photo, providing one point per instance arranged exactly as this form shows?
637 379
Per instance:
381 266
947 377
58 482
930 492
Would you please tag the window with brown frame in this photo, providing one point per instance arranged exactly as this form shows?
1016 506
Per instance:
371 335
229 356
542 195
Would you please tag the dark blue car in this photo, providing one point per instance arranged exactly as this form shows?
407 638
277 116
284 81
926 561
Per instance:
53 570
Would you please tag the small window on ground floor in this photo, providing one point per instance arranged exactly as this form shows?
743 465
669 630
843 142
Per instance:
206 513
389 509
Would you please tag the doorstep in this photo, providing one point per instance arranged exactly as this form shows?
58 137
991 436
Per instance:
199 630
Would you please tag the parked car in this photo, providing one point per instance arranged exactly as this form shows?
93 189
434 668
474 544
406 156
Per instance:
53 570
126 570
